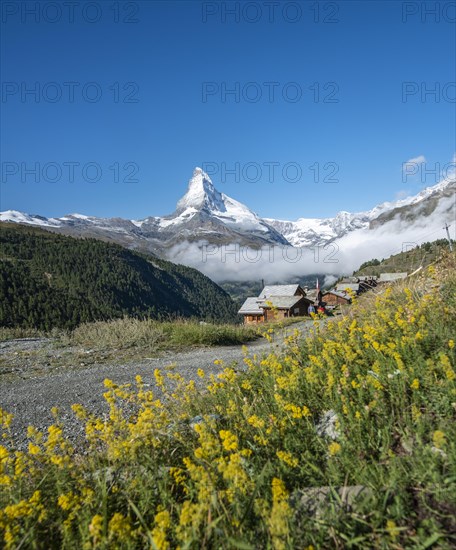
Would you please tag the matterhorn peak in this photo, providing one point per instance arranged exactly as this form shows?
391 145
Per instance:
201 193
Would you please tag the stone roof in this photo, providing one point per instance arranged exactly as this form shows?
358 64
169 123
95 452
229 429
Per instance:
312 294
343 286
367 277
251 307
278 290
281 302
337 293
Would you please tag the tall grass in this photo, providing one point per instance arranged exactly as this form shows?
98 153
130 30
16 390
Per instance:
12 333
130 332
367 400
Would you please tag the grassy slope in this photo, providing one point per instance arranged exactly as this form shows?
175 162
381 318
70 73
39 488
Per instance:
407 261
152 480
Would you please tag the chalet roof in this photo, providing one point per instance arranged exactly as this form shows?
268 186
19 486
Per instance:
386 277
343 286
279 290
312 294
282 302
251 307
337 293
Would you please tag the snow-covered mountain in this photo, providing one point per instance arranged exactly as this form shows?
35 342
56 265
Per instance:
204 215
318 231
204 212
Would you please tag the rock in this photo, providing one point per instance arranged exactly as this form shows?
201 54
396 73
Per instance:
327 425
199 419
313 500
438 451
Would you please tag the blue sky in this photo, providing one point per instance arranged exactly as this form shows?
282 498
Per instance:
167 112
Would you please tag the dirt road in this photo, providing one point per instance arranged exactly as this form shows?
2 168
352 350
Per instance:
34 377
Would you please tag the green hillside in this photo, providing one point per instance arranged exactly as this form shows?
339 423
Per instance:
49 280
408 261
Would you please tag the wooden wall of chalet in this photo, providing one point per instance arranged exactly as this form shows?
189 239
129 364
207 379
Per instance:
299 309
333 299
253 319
275 314
303 309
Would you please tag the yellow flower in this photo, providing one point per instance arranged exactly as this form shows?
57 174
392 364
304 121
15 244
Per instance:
96 527
119 527
439 439
246 385
67 501
279 515
5 419
201 373
24 508
279 491
392 528
79 411
334 448
159 379
415 384
229 440
256 421
162 524
33 449
451 344
287 458
260 440
416 413
297 412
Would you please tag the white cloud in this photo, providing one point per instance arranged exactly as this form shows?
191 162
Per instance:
277 263
410 164
329 281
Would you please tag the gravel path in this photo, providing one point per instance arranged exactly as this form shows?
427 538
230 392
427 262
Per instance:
34 390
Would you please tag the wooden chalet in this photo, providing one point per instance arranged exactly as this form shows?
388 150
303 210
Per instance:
275 302
343 287
335 298
367 283
282 307
251 311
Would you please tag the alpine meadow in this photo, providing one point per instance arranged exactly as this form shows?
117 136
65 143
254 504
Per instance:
227 275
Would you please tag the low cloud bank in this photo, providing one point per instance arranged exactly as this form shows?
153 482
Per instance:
237 263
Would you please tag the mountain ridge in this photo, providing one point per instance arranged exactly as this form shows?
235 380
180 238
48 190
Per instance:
205 215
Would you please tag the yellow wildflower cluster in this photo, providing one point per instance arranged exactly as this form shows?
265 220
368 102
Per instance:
278 521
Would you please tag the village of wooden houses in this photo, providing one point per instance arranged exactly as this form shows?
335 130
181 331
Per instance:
278 302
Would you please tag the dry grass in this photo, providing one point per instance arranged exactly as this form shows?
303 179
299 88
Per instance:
153 335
